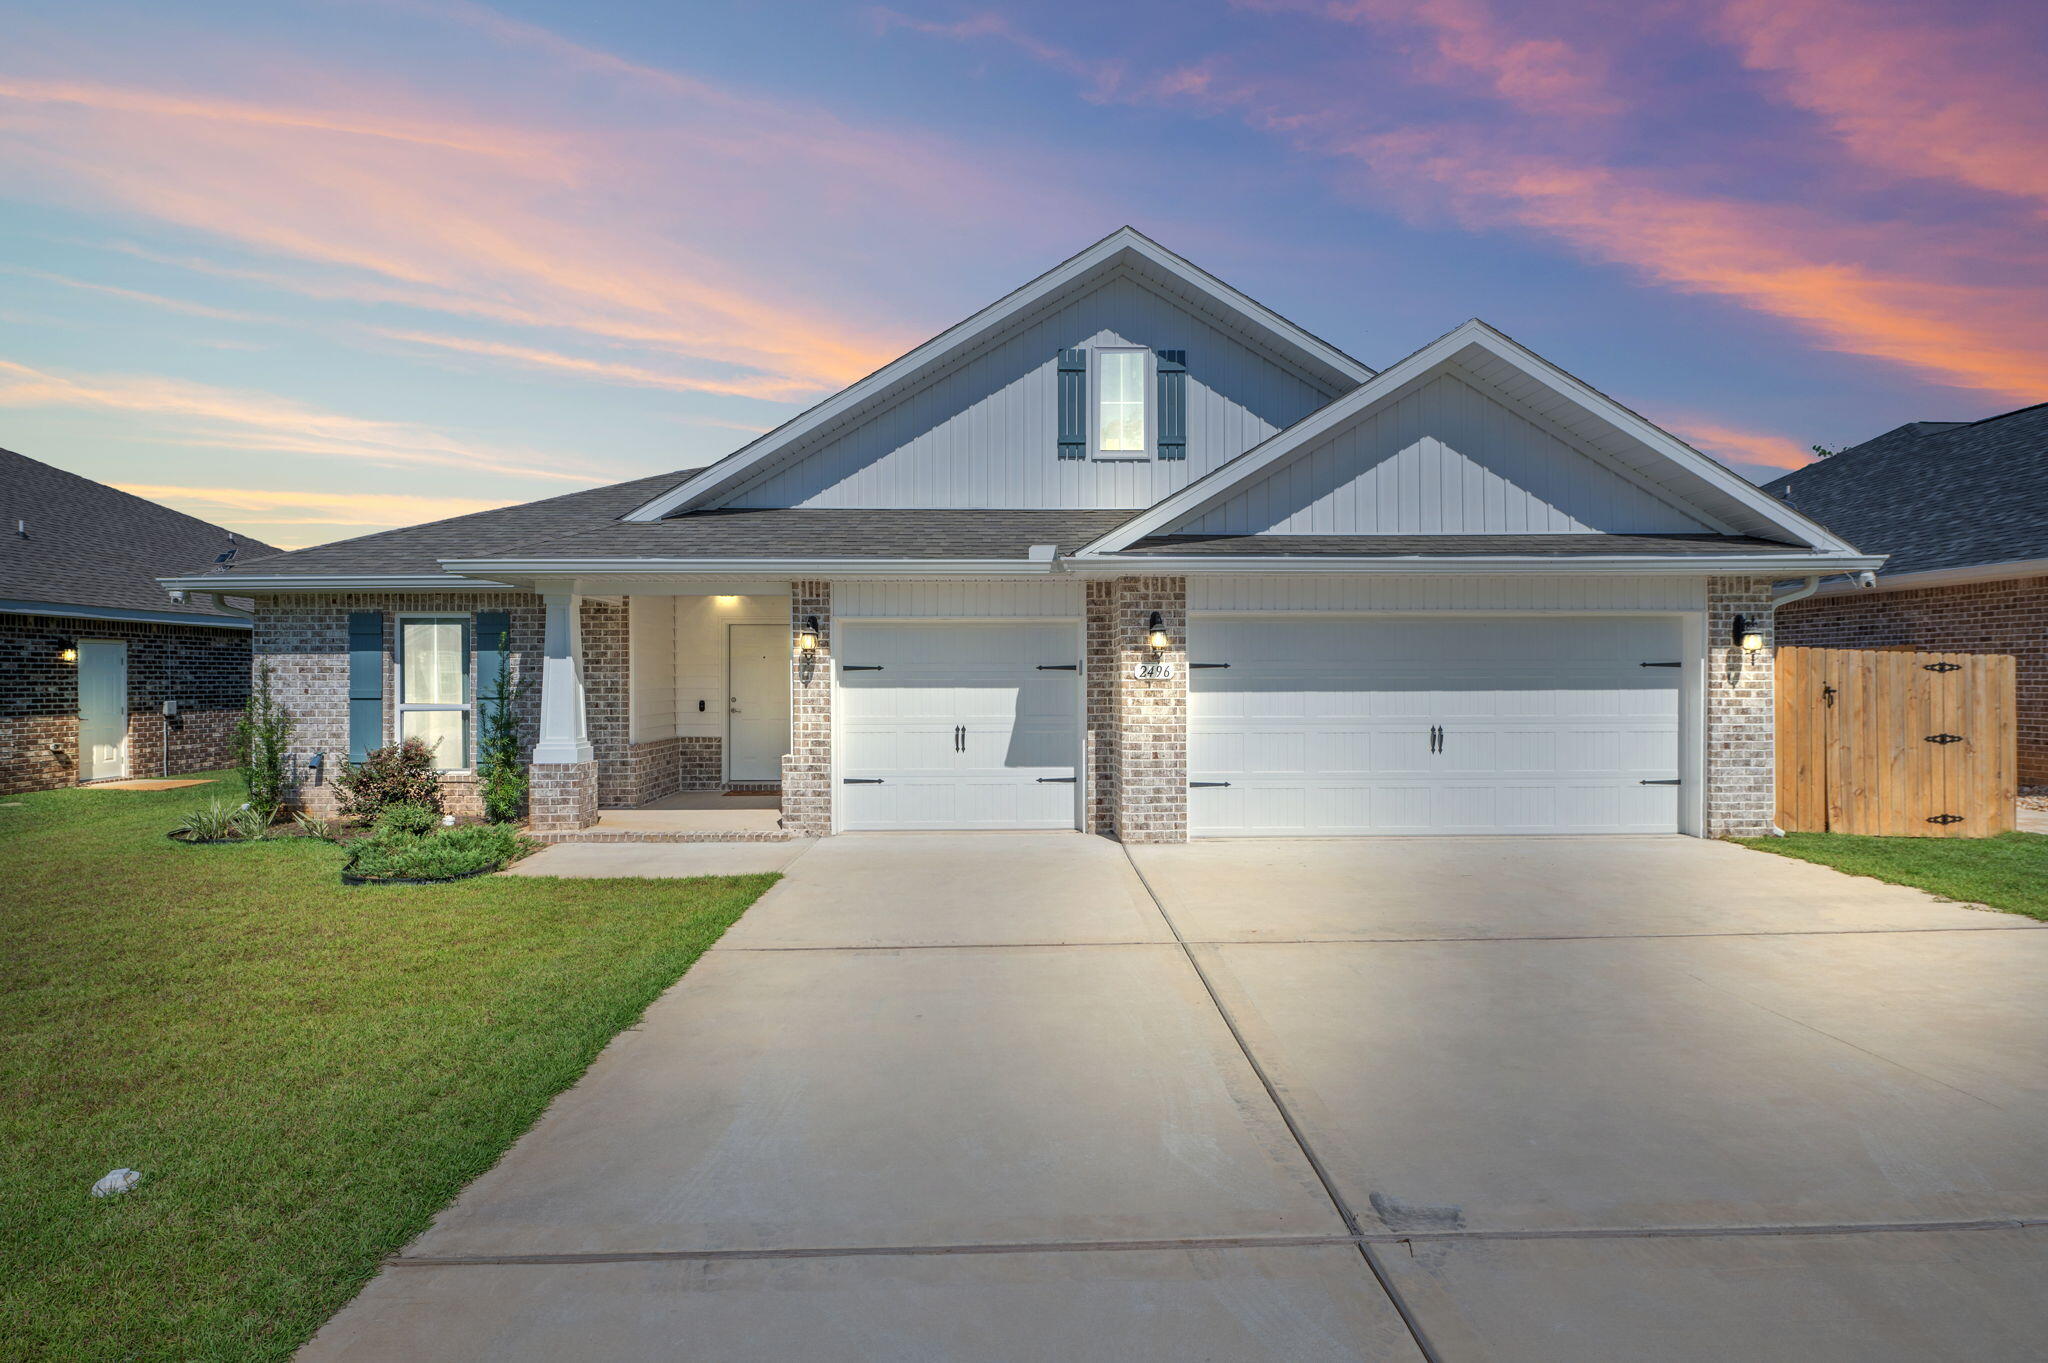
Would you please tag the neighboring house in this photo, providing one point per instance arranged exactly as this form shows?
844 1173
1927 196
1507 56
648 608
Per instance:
1125 551
93 650
1961 508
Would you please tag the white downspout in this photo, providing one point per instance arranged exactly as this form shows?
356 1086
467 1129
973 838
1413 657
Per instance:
1811 586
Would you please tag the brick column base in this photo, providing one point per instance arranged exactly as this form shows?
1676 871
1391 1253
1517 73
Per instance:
562 796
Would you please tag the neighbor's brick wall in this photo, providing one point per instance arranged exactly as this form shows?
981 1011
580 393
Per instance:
1742 787
807 768
1150 760
1977 617
206 670
305 640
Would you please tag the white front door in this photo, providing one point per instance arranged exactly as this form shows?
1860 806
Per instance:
959 724
1326 725
102 709
757 722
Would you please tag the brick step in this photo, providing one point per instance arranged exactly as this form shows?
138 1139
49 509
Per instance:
665 835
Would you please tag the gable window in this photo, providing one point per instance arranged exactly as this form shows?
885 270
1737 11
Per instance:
1123 417
433 686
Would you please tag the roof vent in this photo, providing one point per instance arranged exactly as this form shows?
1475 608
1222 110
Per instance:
21 529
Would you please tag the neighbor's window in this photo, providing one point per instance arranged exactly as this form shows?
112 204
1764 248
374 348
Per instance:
433 686
1120 404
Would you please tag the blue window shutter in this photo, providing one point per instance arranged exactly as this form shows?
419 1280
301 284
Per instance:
365 683
493 641
1173 404
1073 404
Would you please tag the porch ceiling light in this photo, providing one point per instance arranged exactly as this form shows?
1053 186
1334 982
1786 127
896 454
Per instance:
807 637
1155 637
1747 636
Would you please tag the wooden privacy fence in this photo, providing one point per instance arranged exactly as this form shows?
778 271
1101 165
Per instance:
1900 744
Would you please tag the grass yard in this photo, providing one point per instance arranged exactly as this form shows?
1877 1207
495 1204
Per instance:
304 1072
2007 872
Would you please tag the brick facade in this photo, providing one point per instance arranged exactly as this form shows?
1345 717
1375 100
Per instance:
1742 790
1977 617
206 670
562 796
1099 744
807 768
1147 757
606 627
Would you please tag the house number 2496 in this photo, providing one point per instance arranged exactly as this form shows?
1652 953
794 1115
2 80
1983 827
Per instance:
1153 671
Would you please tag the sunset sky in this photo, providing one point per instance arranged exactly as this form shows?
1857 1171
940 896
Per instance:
311 270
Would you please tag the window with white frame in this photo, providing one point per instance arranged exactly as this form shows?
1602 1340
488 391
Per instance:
1123 418
433 686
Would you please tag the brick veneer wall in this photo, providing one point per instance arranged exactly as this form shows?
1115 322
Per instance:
1150 757
1099 742
1742 785
607 706
206 670
305 640
807 768
700 763
1977 617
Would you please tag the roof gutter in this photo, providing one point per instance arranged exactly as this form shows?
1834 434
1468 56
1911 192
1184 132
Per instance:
1783 565
58 610
1946 577
252 584
757 567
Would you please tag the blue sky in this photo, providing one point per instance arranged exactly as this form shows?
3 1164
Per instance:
320 269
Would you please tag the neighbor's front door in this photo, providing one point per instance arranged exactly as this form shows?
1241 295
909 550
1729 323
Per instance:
102 709
757 725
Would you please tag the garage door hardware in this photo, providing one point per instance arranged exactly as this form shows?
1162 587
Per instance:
1208 783
1436 738
1672 782
959 738
1059 667
1944 667
1944 818
860 667
1057 780
860 781
1660 664
1944 738
1208 664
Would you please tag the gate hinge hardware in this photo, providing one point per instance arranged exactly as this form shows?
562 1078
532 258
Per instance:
1944 818
1944 738
1943 667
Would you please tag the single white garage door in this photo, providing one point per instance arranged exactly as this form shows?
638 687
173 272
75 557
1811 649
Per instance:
1349 724
959 725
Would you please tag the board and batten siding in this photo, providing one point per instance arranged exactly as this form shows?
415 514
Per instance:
962 600
1518 592
1443 459
985 432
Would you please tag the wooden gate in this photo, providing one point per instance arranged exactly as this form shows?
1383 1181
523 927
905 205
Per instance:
1900 744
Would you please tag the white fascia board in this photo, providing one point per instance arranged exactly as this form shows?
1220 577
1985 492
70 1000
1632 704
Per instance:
1783 565
310 582
990 320
1204 492
116 614
759 567
1943 577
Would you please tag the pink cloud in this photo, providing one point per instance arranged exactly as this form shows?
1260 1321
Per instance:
1738 445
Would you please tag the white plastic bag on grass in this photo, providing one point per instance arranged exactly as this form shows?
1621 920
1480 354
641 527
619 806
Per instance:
118 1181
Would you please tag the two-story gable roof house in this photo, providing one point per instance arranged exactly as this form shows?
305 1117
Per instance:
1125 551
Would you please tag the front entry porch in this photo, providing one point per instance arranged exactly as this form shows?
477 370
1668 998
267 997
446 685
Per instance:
688 816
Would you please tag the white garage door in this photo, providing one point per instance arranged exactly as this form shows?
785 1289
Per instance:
1347 724
959 725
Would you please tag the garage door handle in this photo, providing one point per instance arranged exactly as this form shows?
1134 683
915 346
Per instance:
1672 782
1208 783
860 781
1057 780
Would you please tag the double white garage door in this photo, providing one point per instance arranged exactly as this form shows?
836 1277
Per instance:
1298 725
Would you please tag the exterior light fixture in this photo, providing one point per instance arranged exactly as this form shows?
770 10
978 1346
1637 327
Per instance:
1155 637
807 637
1747 636
67 654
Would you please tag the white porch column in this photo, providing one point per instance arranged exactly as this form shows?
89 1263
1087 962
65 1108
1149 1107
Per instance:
564 730
562 795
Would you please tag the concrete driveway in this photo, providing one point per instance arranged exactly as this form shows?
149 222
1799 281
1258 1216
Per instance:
1027 1097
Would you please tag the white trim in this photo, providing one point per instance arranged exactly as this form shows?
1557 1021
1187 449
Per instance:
1692 565
399 704
1339 370
328 582
1206 491
1148 384
1943 577
57 610
766 567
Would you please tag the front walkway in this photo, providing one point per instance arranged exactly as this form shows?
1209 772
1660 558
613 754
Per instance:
974 1097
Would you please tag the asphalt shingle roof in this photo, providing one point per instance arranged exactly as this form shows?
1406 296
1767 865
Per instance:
819 532
95 547
1935 494
1386 546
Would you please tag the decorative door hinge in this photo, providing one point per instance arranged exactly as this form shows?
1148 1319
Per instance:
1057 780
1208 783
1944 738
1660 664
1059 667
860 781
860 667
1672 782
1944 818
1208 664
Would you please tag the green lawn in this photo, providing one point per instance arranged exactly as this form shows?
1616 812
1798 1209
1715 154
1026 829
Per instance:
2007 872
303 1071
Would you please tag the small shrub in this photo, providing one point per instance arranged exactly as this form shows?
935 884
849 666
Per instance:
313 827
445 855
402 774
250 823
407 818
262 740
500 755
213 822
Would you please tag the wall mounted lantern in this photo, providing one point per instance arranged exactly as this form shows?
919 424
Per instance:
67 654
1747 636
807 637
1155 636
